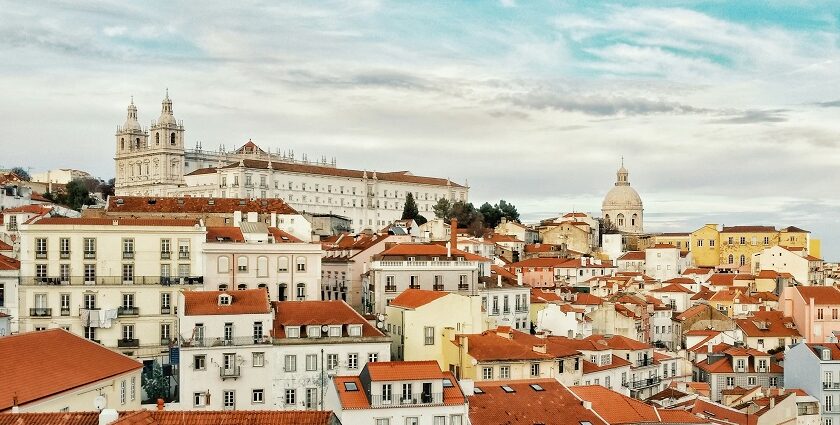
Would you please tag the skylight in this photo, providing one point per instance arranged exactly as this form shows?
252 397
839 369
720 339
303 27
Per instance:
537 387
477 390
350 386
447 383
507 389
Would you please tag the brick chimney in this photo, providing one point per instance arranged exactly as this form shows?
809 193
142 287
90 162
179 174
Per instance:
453 233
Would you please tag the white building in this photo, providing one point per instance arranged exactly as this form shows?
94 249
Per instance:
622 205
247 354
60 175
254 255
663 262
154 161
805 268
112 281
397 393
9 281
815 368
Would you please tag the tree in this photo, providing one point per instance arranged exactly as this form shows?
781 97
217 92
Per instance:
155 383
508 211
443 209
420 220
106 188
410 211
76 195
465 213
22 174
493 214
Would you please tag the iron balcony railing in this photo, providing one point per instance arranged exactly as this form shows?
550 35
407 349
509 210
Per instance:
64 255
183 255
222 342
831 385
113 280
414 400
166 310
128 311
128 343
642 383
65 311
229 372
128 255
390 288
40 312
165 255
644 362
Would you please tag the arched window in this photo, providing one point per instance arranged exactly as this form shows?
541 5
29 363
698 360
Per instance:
262 266
281 292
282 264
633 219
137 143
172 139
157 138
731 259
620 219
242 287
242 264
300 264
223 287
223 264
122 143
743 259
300 292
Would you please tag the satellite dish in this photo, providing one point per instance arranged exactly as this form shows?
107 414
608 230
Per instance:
474 362
325 328
99 402
380 325
380 317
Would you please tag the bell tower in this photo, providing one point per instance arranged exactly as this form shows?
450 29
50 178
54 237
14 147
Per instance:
131 146
167 141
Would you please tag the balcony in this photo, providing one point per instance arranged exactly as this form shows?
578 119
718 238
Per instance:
437 287
165 342
390 288
463 286
414 286
227 342
230 372
40 255
424 264
644 362
64 255
165 255
40 312
90 255
642 383
378 401
128 343
166 310
112 280
831 385
128 311
183 255
128 255
65 311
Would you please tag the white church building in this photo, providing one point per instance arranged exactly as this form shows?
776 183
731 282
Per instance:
154 162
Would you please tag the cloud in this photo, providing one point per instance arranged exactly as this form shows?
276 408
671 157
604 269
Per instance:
596 104
753 117
829 104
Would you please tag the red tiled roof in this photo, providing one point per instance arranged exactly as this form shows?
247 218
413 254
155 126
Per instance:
670 416
402 371
29 209
428 249
413 298
822 295
681 281
589 367
238 417
396 176
541 247
748 229
584 298
5 247
7 263
66 221
632 256
498 238
720 414
193 205
224 234
733 296
351 399
619 342
247 301
773 324
614 407
301 313
540 296
56 418
282 236
810 257
663 246
554 404
692 311
674 287
833 347
696 270
73 362
488 346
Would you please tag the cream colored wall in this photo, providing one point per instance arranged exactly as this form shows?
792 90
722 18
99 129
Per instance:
82 399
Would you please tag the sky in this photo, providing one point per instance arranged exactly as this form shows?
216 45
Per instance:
725 112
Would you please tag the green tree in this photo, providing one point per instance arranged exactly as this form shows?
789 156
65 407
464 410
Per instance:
466 214
22 173
410 211
443 209
420 220
154 383
492 215
508 211
77 195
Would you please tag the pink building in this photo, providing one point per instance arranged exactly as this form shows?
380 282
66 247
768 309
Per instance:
814 309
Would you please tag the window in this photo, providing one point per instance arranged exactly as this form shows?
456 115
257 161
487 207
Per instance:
90 301
456 419
293 331
411 420
487 373
165 303
373 357
200 362
128 273
290 363
165 333
301 291
504 372
90 333
730 381
751 380
773 381
64 300
122 391
133 388
228 399
352 361
354 330
383 421
407 392
64 247
90 248
257 396
300 263
198 399
311 362
429 335
258 359
332 361
128 248
386 392
41 248
535 369
291 396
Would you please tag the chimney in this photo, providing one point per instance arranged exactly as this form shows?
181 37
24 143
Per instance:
772 402
160 404
453 233
499 280
541 348
449 250
519 279
587 405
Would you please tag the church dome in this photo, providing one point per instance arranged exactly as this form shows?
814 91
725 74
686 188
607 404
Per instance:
622 197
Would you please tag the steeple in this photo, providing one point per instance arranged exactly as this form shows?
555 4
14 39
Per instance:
621 175
166 114
131 122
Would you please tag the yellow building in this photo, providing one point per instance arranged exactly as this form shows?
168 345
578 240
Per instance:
417 319
680 240
574 234
705 246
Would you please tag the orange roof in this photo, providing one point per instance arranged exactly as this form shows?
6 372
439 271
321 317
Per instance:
224 234
541 247
681 281
194 205
402 371
633 256
488 346
239 417
73 362
5 247
65 221
351 399
428 249
674 287
29 209
301 313
696 270
619 342
554 403
583 298
497 238
768 323
396 176
616 362
55 418
614 407
822 295
413 298
675 416
540 296
720 414
282 236
663 246
358 399
733 295
7 263
748 229
206 303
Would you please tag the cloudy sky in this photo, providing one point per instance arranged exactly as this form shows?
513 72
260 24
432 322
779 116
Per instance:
725 111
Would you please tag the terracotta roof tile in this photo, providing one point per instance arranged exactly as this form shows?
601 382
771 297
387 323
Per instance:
400 371
62 418
224 234
633 256
490 346
239 417
822 295
5 247
282 236
616 408
73 362
748 229
29 209
194 205
696 270
768 323
619 342
554 404
674 287
541 247
302 313
206 303
583 298
541 296
428 249
616 362
680 417
7 263
413 298
66 221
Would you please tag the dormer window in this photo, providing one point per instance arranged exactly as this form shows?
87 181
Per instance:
354 330
293 331
224 299
335 331
313 331
826 354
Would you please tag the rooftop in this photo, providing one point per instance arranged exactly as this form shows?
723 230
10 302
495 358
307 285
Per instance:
414 298
527 402
193 205
239 417
616 408
207 303
302 313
